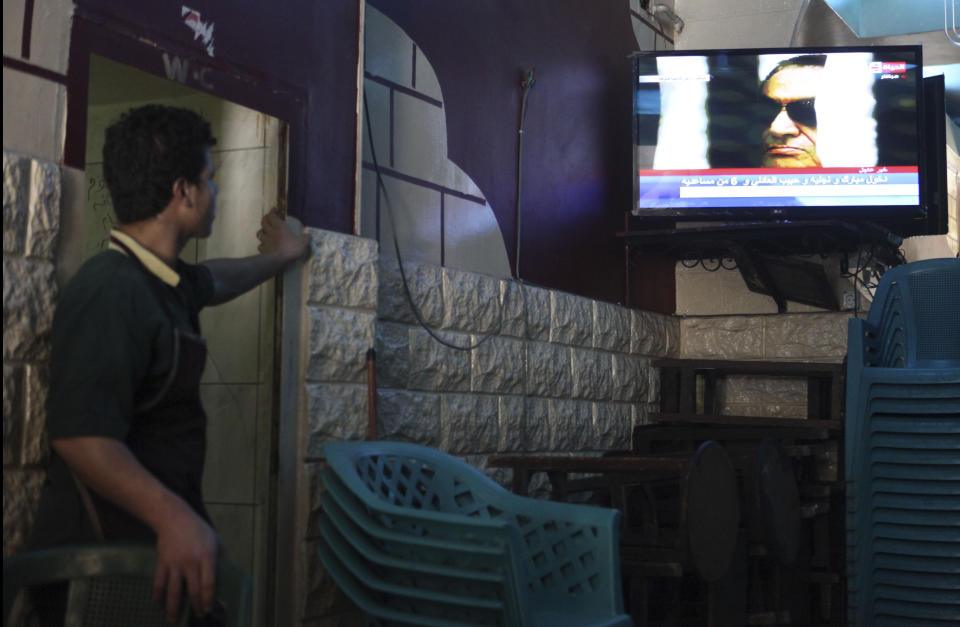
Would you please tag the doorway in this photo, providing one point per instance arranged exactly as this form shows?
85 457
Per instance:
239 380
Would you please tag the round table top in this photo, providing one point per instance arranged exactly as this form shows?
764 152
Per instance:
712 510
778 501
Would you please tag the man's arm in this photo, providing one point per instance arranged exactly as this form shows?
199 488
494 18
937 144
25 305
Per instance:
279 247
186 544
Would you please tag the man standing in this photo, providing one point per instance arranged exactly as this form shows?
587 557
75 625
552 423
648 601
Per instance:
787 102
124 417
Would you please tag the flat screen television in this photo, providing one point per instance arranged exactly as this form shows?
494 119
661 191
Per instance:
781 134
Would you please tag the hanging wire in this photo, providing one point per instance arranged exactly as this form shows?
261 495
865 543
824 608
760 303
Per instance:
526 83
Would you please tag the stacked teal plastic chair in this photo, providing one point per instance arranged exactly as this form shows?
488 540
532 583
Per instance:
111 584
903 450
417 537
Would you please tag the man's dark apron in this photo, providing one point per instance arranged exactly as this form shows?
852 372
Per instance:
168 433
168 436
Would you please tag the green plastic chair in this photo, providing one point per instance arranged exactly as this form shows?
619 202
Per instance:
417 537
111 583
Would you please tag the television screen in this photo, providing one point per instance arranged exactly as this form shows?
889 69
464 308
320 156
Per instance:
778 133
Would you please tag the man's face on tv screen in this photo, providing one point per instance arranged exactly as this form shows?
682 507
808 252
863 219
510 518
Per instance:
790 139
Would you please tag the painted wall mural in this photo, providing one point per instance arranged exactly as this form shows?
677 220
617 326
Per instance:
441 215
576 163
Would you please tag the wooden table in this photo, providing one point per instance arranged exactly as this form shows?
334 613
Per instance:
704 509
612 470
678 384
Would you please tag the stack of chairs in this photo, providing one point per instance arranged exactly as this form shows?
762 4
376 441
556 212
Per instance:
903 450
417 537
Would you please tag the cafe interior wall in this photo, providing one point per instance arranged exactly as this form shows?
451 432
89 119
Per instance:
27 131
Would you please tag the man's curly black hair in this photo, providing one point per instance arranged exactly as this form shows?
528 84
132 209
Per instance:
148 149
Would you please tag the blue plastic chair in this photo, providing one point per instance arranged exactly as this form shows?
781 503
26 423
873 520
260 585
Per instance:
111 583
903 450
415 536
914 320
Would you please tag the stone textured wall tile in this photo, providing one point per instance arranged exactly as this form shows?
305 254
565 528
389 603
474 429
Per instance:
437 367
513 301
537 305
611 327
13 413
806 336
393 355
592 373
334 412
738 390
571 425
648 333
744 389
723 338
36 449
21 494
538 430
539 486
653 385
548 370
642 411
16 179
409 416
785 410
425 282
613 426
339 340
469 423
673 344
498 366
512 424
743 409
43 221
29 297
471 302
629 378
343 270
571 319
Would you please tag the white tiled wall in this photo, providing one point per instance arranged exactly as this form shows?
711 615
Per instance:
736 23
34 115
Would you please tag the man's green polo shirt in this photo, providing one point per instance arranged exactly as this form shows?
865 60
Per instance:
112 348
112 341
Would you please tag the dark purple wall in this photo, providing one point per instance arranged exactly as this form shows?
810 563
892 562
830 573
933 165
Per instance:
577 150
297 57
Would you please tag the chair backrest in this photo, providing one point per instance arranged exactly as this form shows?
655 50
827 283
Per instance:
111 584
914 320
565 554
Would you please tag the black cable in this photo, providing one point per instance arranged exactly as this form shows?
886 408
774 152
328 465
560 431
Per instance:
526 83
396 248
